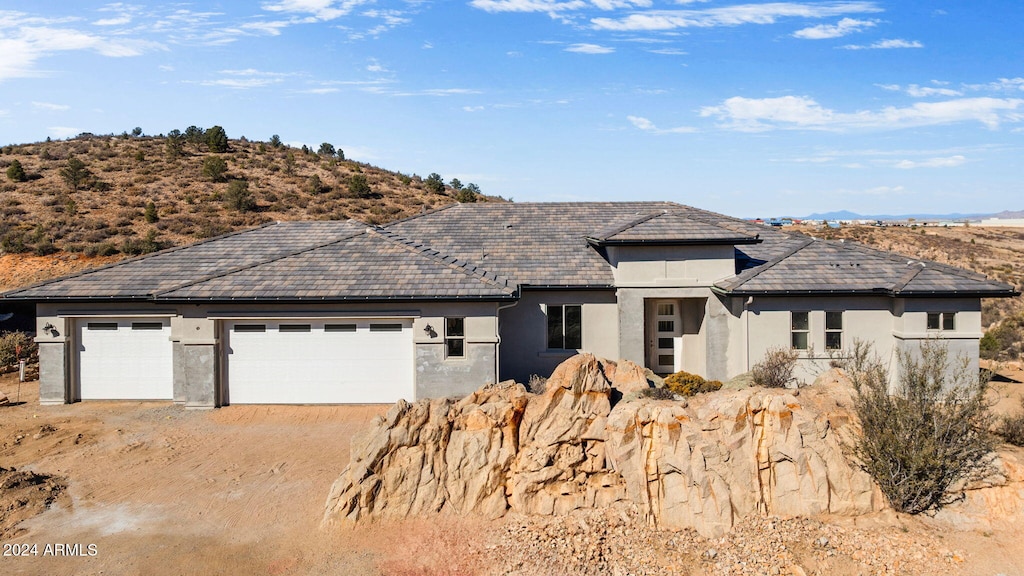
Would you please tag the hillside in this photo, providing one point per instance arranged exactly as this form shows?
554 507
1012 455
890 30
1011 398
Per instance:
127 195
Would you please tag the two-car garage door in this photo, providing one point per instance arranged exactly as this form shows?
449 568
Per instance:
318 362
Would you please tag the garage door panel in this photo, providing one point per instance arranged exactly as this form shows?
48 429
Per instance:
125 359
334 365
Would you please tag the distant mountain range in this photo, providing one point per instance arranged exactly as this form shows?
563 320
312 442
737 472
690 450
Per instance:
847 215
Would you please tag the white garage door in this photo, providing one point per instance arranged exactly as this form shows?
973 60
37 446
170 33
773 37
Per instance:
319 362
125 359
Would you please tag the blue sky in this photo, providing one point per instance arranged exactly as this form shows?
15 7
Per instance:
745 108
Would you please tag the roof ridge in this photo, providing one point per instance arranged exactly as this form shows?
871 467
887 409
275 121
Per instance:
449 261
908 276
771 263
415 216
138 258
238 269
609 232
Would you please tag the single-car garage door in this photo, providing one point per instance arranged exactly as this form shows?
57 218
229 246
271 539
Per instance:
319 362
125 359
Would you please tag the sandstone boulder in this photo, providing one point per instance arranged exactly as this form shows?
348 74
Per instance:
701 464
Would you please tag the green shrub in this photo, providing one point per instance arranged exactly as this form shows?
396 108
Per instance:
359 187
238 197
9 345
150 213
928 437
15 172
776 369
215 168
686 384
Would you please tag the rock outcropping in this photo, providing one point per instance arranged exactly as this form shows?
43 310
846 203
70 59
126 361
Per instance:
701 464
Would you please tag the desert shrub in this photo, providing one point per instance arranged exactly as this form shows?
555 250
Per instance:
15 172
11 343
135 246
776 369
75 174
1005 340
657 393
536 384
215 168
238 197
216 139
686 384
150 213
101 249
314 185
359 187
1011 428
925 439
434 183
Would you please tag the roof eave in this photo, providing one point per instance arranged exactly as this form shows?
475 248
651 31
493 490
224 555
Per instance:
661 242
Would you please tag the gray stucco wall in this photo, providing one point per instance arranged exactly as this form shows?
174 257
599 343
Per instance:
523 350
201 385
53 373
437 376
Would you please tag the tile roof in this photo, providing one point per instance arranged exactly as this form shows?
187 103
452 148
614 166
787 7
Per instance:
286 261
664 227
813 266
489 250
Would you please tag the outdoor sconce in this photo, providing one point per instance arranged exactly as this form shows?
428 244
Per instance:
51 329
429 330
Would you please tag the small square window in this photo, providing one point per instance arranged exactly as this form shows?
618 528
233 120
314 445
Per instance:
565 326
666 343
666 325
948 321
799 327
934 320
942 321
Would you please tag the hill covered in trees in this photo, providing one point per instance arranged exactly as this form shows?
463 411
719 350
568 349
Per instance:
131 194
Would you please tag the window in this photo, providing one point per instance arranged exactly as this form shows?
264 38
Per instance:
799 326
833 330
294 328
385 327
455 337
942 320
250 327
147 325
565 327
102 326
339 327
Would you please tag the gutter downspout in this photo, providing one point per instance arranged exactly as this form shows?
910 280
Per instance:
497 348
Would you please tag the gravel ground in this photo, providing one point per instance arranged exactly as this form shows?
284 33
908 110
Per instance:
619 543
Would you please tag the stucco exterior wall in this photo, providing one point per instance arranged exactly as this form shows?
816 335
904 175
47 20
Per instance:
199 362
888 324
523 350
670 265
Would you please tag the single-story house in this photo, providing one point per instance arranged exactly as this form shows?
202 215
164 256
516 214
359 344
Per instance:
437 304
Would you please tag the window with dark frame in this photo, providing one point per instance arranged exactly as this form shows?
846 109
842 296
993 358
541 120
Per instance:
833 330
455 337
942 320
800 326
565 326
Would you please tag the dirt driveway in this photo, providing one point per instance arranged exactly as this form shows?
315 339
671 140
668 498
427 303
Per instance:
162 490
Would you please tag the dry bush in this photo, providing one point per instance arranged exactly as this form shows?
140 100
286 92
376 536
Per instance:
13 342
925 440
1011 428
686 384
536 384
776 369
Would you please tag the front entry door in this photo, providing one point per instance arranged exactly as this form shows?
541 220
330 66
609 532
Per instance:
664 337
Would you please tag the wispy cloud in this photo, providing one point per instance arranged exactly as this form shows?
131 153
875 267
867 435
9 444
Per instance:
948 162
320 9
886 45
803 113
921 91
50 106
647 126
837 30
25 40
590 49
1001 85
247 79
63 131
736 15
669 51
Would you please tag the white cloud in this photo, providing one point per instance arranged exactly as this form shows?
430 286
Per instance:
921 91
25 40
50 106
63 131
318 91
669 51
881 191
375 66
472 108
736 15
427 46
648 126
803 113
590 49
949 162
886 45
119 21
1001 85
321 9
270 28
837 30
246 79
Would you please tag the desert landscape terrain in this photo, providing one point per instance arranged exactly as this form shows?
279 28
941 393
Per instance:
151 488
